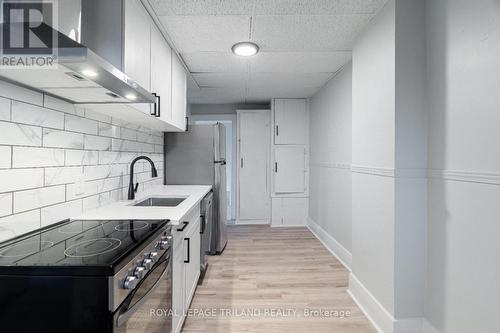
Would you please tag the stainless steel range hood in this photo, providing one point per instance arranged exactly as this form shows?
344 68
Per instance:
80 77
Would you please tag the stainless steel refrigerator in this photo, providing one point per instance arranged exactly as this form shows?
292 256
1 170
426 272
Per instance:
198 157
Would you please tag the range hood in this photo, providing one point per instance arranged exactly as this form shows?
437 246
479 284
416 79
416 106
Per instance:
80 77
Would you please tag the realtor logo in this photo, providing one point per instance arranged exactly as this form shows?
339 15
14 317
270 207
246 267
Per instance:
27 37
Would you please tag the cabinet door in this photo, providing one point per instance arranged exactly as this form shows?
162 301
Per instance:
289 170
253 187
290 121
161 73
179 93
294 211
290 211
178 282
137 40
137 47
193 266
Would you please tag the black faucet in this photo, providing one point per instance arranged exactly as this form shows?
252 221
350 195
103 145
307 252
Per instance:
131 188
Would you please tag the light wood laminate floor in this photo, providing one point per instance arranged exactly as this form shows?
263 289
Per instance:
267 269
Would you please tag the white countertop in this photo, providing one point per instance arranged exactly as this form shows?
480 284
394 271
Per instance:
124 210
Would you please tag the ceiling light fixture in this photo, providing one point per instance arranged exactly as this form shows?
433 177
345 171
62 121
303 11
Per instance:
245 49
89 73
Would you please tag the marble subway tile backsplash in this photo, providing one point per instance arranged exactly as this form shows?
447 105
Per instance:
58 159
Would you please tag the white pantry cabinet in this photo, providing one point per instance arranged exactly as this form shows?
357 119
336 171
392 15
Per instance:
253 194
185 265
290 162
290 117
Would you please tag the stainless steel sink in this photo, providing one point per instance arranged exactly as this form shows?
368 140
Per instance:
160 202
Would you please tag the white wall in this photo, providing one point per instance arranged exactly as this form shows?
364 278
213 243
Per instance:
389 194
373 150
330 160
57 160
463 290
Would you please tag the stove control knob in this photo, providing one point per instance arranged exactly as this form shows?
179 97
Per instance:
153 256
139 272
162 245
130 282
147 263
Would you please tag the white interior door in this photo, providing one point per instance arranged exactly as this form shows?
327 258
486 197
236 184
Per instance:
253 156
289 170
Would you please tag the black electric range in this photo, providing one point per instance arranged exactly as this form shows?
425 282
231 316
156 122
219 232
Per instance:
82 276
76 248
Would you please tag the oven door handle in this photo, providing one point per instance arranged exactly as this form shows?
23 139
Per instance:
127 314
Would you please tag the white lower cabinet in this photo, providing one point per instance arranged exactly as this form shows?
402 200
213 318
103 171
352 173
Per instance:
185 266
192 272
289 211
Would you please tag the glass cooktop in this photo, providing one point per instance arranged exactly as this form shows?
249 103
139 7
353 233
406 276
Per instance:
75 245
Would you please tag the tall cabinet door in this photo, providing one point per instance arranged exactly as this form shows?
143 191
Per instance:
137 40
179 93
290 117
161 73
289 170
253 184
137 47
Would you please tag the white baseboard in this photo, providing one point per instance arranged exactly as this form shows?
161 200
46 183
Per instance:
340 252
252 222
288 226
378 315
371 307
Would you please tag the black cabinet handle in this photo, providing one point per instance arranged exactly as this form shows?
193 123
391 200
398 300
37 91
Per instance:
183 227
242 162
203 225
277 130
187 121
156 111
189 250
276 167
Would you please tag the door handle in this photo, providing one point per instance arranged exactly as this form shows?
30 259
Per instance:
156 111
185 224
188 250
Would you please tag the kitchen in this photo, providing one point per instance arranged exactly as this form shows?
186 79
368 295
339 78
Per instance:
249 166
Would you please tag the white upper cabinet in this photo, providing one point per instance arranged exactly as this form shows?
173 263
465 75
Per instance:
147 58
289 169
161 73
137 48
179 94
290 118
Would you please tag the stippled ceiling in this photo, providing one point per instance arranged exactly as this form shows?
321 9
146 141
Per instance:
302 44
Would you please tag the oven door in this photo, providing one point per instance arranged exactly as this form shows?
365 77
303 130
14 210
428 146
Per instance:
148 308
